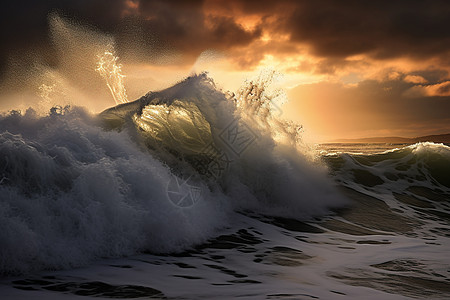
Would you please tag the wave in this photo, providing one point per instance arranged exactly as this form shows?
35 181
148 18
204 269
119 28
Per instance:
159 174
412 181
423 163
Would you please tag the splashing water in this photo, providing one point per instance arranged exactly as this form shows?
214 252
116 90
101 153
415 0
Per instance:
257 101
256 97
45 91
112 73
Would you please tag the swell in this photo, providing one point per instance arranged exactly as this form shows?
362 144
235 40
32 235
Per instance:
412 182
421 163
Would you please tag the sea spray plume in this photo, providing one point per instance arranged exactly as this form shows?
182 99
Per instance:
71 78
78 51
111 71
256 101
255 96
45 91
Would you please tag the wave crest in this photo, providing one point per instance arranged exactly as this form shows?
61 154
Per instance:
72 192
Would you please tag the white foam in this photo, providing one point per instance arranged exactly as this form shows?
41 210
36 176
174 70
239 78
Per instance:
72 192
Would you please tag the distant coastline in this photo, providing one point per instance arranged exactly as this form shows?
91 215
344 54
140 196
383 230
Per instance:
438 138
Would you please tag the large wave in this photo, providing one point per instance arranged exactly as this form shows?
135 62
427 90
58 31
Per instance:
159 174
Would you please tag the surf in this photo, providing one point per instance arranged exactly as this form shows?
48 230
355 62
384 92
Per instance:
160 174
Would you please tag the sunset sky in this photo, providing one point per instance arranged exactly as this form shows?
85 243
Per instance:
350 68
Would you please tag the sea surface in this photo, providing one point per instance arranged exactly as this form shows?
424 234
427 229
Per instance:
188 194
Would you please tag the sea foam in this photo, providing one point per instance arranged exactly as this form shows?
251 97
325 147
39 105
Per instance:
72 192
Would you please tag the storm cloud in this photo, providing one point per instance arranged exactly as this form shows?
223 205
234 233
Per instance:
334 30
382 29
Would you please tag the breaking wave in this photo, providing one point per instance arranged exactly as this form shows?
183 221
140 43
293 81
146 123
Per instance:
160 174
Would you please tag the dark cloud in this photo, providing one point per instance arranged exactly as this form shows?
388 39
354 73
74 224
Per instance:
151 28
382 29
335 30
185 27
331 29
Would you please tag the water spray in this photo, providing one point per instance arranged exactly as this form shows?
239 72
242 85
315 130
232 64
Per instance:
111 71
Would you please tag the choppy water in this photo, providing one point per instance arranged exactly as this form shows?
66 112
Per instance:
188 194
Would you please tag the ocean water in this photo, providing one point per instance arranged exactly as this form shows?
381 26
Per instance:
189 193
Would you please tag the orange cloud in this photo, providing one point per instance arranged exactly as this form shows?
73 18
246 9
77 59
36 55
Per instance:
434 90
416 79
131 7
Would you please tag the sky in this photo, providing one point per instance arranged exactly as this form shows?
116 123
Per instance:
350 68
